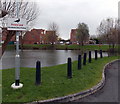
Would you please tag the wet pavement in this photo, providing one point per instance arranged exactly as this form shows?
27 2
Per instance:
109 93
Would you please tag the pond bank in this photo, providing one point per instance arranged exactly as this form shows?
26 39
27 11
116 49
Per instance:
54 81
47 57
63 47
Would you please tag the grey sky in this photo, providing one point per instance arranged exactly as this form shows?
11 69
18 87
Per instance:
68 13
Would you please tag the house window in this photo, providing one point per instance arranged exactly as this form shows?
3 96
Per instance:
42 32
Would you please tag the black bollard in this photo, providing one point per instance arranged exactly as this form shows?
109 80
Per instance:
38 73
101 54
89 56
79 61
69 68
95 54
84 59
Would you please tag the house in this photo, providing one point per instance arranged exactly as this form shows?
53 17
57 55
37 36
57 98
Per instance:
35 36
3 37
50 37
73 38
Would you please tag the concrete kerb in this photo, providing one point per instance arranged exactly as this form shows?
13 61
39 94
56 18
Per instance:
79 95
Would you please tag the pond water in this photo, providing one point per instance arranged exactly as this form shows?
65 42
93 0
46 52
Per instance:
28 58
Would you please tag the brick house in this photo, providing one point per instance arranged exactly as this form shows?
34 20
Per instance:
4 38
30 37
50 37
35 36
73 38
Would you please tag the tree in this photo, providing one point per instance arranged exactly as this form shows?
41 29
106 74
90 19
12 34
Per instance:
108 31
53 34
82 33
3 13
94 38
117 28
27 10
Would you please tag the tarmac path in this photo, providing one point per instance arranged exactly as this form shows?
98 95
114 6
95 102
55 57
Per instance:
109 93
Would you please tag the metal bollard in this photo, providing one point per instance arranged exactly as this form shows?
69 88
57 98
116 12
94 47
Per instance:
101 54
84 59
95 54
79 61
69 68
38 73
89 56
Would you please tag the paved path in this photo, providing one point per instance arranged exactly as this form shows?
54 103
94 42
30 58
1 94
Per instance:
109 93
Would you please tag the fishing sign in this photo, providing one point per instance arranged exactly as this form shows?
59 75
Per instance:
17 24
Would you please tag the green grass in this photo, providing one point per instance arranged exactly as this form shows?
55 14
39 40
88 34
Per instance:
44 46
54 81
64 47
69 47
10 47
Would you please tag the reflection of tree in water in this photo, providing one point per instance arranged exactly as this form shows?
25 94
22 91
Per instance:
78 52
47 57
51 57
113 53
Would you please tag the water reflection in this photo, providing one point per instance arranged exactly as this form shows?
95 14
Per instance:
47 57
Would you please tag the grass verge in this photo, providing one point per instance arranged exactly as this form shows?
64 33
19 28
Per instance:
69 47
64 47
54 81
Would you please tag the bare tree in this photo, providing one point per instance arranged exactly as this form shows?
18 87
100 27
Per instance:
54 27
53 33
27 10
108 31
117 28
2 13
82 33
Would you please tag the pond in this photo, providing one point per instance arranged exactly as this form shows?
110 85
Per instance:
28 58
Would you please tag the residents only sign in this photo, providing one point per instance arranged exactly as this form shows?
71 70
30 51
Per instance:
17 24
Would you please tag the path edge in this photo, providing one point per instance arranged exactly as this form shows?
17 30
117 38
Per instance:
79 95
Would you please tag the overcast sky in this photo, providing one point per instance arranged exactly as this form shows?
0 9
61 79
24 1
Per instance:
68 13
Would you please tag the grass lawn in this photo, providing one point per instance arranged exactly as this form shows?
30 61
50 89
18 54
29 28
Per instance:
89 47
69 47
64 47
10 47
54 81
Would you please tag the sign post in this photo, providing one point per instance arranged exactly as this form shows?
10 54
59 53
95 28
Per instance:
17 24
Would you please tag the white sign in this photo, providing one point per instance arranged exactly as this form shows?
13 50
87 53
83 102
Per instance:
17 24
